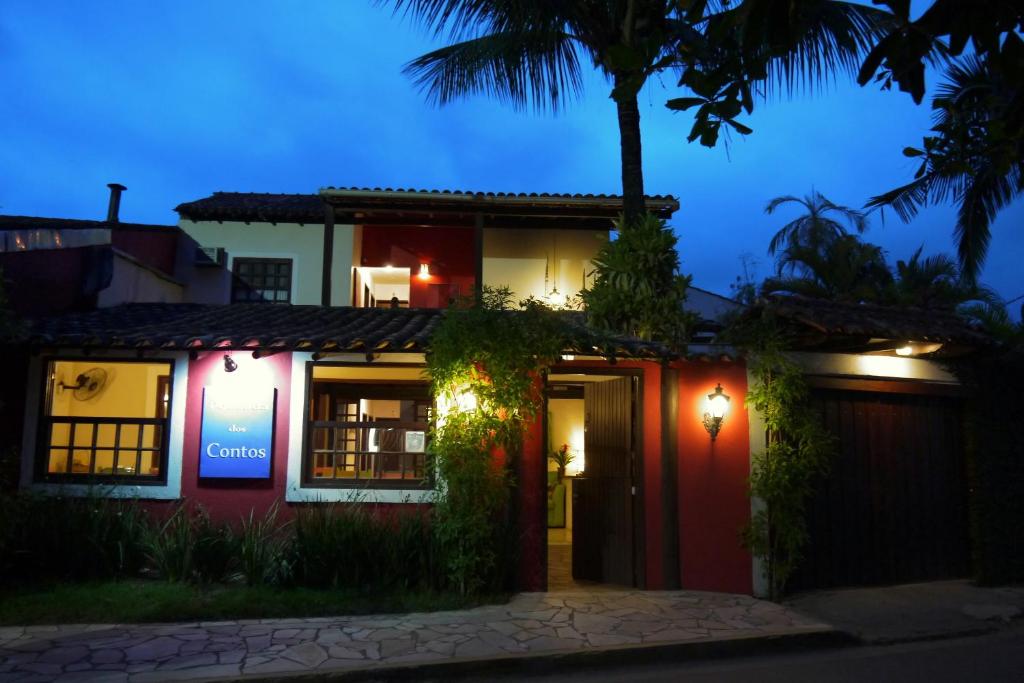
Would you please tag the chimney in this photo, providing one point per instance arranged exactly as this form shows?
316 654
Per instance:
115 201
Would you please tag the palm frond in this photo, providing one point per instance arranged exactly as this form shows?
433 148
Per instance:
518 69
982 199
834 37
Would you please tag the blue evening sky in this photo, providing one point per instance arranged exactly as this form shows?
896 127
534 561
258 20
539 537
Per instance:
179 99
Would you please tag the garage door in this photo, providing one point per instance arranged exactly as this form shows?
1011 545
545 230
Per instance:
893 508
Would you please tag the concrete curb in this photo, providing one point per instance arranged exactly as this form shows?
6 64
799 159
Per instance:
532 664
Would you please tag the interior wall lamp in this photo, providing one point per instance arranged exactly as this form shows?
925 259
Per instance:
229 363
714 414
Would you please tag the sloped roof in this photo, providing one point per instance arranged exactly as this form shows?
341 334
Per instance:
282 327
40 222
309 208
260 207
866 321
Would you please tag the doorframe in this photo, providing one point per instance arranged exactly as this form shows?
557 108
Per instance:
640 497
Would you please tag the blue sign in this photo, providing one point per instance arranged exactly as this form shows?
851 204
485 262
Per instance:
237 436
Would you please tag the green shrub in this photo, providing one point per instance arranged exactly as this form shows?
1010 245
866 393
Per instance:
215 555
57 537
189 546
170 544
261 549
361 546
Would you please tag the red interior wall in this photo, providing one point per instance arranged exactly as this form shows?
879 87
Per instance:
225 499
448 251
713 502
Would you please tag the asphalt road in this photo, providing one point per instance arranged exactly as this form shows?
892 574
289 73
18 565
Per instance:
996 657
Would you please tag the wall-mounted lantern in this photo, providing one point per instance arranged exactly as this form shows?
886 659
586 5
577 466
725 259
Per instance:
229 363
424 271
715 410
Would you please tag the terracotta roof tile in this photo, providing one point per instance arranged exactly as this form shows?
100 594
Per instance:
871 320
283 327
309 208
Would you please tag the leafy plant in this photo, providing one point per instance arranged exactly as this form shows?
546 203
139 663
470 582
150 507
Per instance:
638 289
170 546
360 546
215 553
90 537
261 549
562 457
485 368
797 453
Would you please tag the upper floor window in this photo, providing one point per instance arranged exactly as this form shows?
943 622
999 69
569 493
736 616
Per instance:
106 420
262 279
366 432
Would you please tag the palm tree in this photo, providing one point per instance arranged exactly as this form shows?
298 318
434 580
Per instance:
972 160
995 319
530 52
936 282
815 227
842 268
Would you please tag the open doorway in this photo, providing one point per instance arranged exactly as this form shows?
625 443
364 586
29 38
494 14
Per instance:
592 493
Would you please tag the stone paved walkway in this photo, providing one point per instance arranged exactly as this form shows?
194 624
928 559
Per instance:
531 623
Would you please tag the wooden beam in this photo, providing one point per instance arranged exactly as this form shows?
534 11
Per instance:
670 478
325 292
478 256
885 386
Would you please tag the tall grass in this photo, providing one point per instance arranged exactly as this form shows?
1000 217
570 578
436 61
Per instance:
57 537
360 546
261 549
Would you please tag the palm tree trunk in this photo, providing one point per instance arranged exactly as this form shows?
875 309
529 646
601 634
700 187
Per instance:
632 156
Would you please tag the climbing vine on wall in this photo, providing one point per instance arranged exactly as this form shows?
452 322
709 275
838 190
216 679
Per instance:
485 366
796 456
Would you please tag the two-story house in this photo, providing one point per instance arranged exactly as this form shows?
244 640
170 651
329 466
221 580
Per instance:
306 384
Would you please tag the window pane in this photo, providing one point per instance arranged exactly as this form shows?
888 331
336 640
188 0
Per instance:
58 461
83 434
59 434
80 461
105 462
129 436
105 435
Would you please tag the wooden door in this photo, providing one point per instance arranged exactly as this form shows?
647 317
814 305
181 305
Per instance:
893 508
602 531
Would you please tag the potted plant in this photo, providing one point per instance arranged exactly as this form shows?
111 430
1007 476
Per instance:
561 458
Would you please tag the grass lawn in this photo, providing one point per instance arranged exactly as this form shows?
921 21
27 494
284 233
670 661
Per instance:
142 601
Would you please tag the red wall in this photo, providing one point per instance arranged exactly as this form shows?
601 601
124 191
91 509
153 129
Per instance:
713 502
231 499
156 247
448 251
531 476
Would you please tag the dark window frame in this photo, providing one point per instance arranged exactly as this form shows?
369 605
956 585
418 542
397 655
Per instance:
41 456
250 287
384 389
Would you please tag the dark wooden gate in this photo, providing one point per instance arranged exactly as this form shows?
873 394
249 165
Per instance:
602 531
893 508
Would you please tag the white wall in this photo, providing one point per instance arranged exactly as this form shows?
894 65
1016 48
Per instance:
133 282
516 259
301 243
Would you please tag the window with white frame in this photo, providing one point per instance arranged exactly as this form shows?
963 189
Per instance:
105 420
